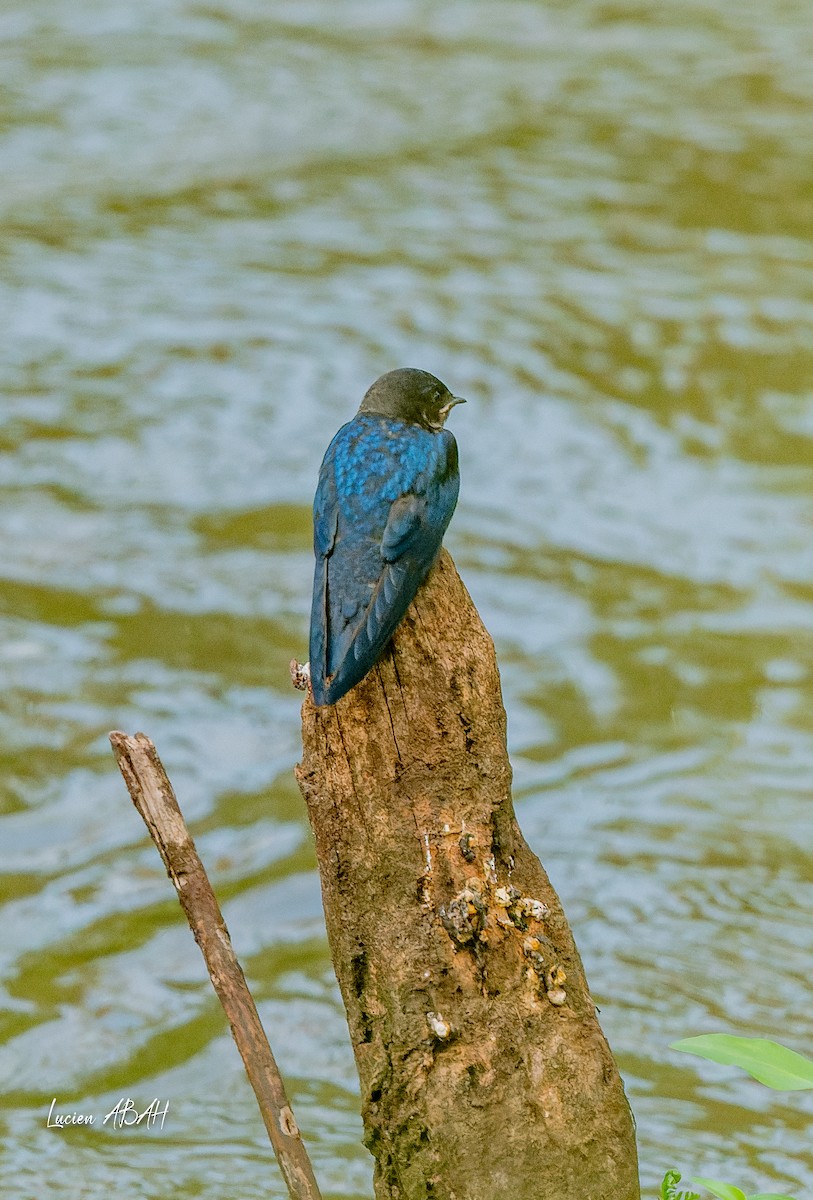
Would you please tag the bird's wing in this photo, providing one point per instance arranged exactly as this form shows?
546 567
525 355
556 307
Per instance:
325 529
401 562
403 523
394 570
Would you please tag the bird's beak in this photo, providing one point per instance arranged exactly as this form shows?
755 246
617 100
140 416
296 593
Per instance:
444 412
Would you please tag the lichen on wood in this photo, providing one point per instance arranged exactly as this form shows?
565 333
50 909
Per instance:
484 1072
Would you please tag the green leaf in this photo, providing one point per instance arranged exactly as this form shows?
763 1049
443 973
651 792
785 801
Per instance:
668 1185
769 1062
669 1188
726 1191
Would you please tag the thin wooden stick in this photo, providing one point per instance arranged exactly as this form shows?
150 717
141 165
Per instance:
154 798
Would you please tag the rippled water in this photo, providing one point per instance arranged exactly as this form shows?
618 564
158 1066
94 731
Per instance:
219 223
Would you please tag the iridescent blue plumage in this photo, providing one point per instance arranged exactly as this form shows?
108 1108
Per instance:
387 490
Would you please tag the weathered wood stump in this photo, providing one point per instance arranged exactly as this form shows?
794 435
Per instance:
484 1072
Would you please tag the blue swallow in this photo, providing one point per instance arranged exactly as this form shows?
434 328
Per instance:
387 489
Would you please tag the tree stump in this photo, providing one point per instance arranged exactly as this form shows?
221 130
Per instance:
484 1072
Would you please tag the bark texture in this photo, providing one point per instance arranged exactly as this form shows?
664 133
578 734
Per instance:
484 1073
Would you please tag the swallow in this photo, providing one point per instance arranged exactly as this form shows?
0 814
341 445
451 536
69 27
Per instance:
387 489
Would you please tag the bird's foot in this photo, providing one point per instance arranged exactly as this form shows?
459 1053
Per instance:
300 675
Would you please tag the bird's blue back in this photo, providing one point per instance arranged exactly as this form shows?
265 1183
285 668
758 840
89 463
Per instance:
387 490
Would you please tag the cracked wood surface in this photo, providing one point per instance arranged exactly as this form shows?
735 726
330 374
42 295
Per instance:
483 1069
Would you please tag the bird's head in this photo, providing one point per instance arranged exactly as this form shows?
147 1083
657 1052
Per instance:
411 395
